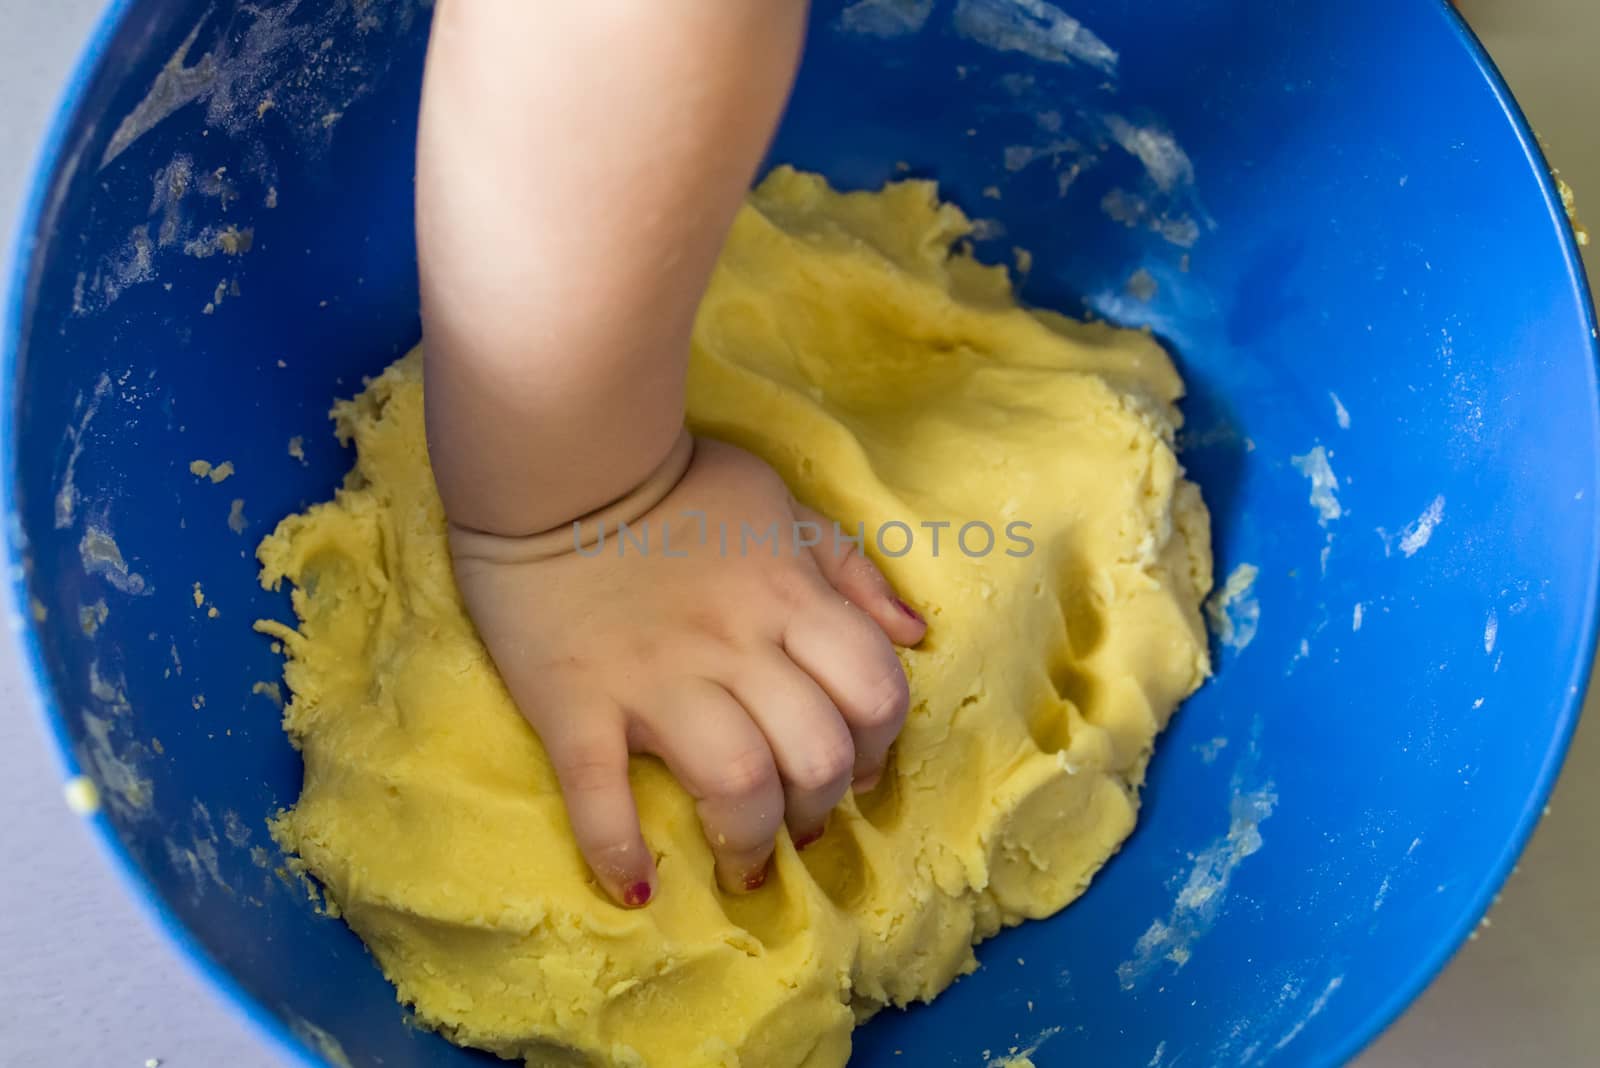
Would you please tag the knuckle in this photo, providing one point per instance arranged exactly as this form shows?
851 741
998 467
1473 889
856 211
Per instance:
884 703
707 628
792 586
588 770
745 777
824 767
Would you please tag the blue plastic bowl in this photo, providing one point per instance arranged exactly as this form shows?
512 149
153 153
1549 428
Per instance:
1349 240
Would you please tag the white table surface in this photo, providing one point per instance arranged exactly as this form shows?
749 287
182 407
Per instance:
86 981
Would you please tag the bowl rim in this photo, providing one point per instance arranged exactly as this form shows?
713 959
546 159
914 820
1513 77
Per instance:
48 169
1427 969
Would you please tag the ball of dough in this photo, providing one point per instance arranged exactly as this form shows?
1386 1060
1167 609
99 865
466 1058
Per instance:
894 383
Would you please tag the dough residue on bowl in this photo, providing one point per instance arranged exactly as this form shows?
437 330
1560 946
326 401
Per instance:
891 379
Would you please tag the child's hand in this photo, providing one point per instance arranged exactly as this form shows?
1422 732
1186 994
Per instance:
761 672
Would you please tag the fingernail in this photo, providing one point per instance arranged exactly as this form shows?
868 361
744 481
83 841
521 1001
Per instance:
756 879
867 782
809 838
637 895
907 611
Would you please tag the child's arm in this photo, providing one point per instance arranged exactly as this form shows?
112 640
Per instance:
579 166
580 162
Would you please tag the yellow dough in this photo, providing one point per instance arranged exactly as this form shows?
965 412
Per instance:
888 379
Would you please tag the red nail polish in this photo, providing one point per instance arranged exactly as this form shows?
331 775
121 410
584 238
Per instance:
756 880
809 838
637 895
907 611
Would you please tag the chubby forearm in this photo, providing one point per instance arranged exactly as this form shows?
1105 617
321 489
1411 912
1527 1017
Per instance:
579 163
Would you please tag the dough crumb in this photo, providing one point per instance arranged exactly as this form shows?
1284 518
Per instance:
91 616
215 472
1234 612
236 519
102 556
1142 285
236 242
83 796
1569 204
297 448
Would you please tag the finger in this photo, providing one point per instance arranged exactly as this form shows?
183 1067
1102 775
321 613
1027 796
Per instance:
590 756
810 743
712 747
859 581
854 664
